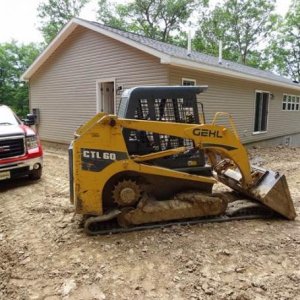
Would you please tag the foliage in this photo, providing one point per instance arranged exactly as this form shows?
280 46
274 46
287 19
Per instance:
14 60
54 14
157 19
242 25
284 51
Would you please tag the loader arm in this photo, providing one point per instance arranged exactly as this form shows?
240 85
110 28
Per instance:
265 186
218 139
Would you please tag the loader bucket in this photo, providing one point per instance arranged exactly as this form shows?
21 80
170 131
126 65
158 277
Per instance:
271 190
274 192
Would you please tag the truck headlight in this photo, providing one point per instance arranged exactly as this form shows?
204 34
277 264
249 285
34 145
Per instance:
31 142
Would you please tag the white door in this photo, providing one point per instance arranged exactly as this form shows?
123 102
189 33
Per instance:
107 97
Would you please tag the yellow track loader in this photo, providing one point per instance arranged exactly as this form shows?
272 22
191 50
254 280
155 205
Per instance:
156 161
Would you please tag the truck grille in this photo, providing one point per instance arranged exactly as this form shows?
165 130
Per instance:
11 147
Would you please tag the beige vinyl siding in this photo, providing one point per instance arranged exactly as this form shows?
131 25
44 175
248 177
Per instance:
237 97
64 88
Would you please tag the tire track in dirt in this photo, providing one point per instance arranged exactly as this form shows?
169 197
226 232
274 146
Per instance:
44 255
30 215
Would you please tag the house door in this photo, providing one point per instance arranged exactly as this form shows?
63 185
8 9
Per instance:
261 111
106 99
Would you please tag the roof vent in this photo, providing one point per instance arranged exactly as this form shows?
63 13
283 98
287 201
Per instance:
220 52
189 45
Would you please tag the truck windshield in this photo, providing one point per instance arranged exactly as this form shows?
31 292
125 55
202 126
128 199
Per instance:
7 117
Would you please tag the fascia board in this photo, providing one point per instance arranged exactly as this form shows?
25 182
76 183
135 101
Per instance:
46 53
229 73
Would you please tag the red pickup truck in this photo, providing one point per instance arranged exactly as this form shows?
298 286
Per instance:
21 153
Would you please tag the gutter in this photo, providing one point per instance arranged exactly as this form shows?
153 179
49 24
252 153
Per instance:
179 62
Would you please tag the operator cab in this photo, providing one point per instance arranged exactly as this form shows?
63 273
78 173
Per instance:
165 104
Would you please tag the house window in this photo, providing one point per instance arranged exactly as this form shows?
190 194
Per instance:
291 102
188 82
261 111
284 102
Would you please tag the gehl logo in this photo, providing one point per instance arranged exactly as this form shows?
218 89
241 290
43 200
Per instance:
207 132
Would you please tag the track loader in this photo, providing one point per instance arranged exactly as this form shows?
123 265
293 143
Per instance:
156 161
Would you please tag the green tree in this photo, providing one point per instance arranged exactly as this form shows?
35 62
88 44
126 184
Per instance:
242 25
157 19
54 14
14 60
284 51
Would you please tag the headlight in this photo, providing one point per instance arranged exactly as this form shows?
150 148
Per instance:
31 142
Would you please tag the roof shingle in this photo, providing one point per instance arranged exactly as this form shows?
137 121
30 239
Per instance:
195 56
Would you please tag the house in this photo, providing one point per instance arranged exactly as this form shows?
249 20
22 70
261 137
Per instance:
87 66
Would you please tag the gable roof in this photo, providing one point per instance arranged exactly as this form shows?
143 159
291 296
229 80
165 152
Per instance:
167 53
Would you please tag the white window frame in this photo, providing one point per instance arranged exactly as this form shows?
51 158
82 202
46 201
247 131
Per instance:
294 102
99 103
254 109
188 79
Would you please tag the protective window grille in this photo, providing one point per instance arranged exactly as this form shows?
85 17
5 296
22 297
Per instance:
167 110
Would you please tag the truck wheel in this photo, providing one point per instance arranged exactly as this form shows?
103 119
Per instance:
35 174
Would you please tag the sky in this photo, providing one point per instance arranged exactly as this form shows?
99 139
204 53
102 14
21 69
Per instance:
18 18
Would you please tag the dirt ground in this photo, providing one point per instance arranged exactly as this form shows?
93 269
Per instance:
44 254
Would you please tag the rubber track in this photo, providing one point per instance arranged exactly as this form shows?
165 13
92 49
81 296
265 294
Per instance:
218 219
